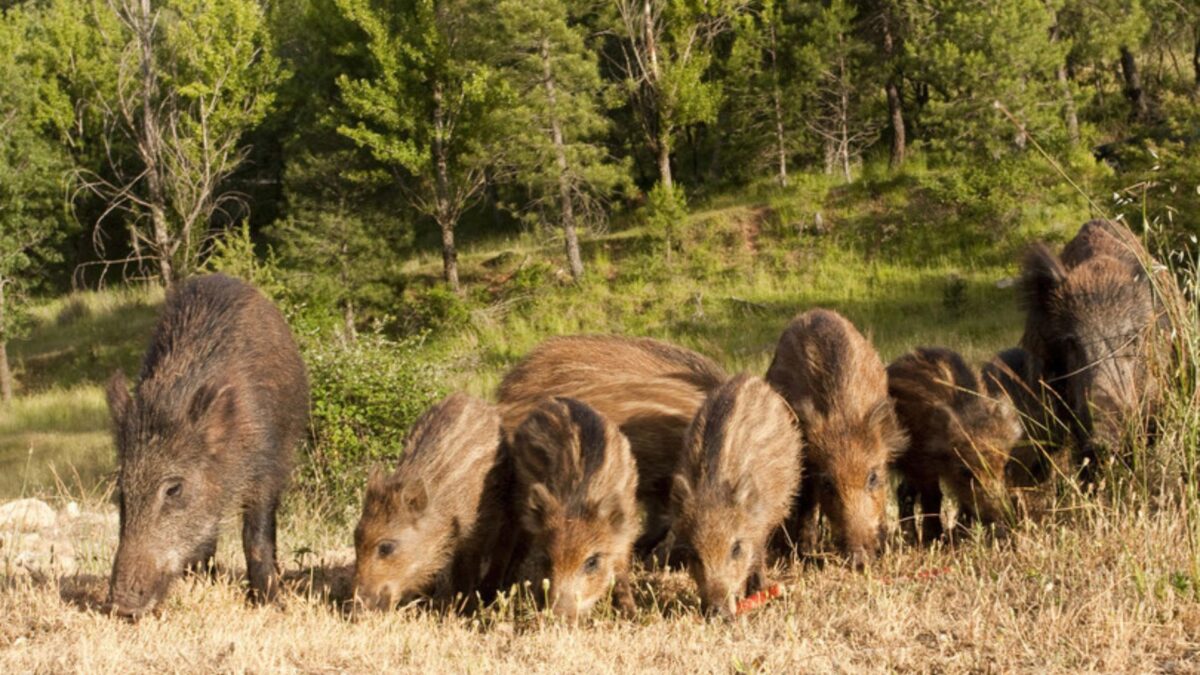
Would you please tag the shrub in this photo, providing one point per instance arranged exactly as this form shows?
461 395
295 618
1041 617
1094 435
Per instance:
365 396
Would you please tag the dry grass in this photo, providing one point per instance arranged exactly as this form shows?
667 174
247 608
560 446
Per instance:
1090 591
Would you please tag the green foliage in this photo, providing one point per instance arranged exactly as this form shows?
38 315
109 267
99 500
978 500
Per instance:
666 209
32 171
365 396
974 54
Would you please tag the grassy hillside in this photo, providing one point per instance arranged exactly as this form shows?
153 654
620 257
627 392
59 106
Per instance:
740 268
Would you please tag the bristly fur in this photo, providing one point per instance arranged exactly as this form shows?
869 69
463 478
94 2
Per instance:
835 381
1098 320
960 437
649 389
582 459
445 500
576 486
221 403
736 481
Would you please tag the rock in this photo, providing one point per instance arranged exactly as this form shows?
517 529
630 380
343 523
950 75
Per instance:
70 511
26 515
37 556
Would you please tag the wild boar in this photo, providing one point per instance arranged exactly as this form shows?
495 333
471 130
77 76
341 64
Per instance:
220 405
735 484
1097 329
650 389
960 435
576 487
431 527
836 383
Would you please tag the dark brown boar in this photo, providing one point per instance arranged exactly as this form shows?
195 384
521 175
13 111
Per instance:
576 486
960 435
736 480
220 405
650 389
835 382
1097 329
439 520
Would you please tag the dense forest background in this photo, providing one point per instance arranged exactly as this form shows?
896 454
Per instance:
341 153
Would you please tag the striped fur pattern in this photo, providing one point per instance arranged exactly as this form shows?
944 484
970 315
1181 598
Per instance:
650 389
735 484
960 436
429 527
836 383
576 495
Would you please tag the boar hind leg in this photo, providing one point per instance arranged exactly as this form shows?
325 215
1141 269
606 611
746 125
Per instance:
931 513
906 499
258 541
803 526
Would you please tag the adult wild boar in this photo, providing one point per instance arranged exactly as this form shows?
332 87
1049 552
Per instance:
1098 333
650 389
440 519
835 382
575 492
960 436
213 422
736 480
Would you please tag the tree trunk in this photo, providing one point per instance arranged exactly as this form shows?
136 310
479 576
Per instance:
777 100
6 383
564 177
663 142
444 212
895 102
1069 111
150 145
664 156
1133 85
1196 62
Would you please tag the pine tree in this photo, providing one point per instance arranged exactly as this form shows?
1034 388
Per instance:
558 123
432 105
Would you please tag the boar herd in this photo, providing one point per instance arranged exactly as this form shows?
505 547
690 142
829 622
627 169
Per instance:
602 451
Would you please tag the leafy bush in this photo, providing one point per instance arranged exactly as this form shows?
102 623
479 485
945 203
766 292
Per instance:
365 396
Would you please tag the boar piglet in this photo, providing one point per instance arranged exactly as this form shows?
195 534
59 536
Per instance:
836 383
650 389
576 491
213 423
960 436
433 526
735 484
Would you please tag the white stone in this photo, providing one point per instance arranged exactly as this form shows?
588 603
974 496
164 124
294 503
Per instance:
26 515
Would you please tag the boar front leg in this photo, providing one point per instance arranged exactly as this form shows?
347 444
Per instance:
806 520
258 541
622 594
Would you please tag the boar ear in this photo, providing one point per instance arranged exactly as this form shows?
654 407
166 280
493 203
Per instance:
745 494
1042 274
540 506
119 400
882 419
416 496
681 492
218 411
377 479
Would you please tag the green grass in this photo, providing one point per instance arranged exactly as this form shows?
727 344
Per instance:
52 437
888 254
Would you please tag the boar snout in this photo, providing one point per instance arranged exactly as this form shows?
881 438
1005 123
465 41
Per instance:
718 602
138 584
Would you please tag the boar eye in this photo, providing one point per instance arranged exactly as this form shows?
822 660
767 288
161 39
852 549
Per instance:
173 489
592 564
736 551
873 479
386 548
